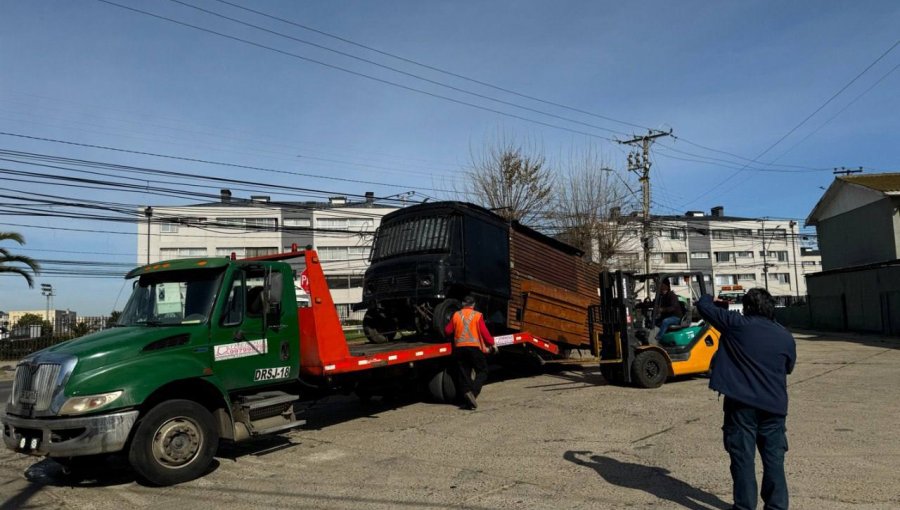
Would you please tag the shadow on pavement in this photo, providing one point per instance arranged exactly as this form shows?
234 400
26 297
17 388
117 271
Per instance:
868 339
650 479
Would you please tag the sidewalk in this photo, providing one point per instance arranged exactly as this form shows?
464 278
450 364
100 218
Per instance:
8 369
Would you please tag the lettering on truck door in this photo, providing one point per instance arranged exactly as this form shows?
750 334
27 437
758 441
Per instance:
243 354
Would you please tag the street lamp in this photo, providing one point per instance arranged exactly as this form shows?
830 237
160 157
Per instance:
47 291
148 212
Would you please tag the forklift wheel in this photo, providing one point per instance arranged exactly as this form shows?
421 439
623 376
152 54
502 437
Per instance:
650 369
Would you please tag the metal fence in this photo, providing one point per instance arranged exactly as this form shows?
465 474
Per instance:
18 349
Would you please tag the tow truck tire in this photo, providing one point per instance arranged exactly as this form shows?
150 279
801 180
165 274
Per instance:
443 313
173 443
376 327
442 387
649 369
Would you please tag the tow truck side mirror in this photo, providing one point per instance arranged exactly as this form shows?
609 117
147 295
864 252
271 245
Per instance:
272 298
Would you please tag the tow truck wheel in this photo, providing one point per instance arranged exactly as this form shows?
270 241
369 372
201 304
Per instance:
377 328
650 369
173 443
442 387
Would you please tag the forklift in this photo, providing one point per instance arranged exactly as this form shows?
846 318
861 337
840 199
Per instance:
628 350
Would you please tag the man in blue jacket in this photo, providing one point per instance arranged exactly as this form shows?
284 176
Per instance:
750 368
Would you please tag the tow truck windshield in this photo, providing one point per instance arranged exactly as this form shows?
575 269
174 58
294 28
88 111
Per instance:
172 298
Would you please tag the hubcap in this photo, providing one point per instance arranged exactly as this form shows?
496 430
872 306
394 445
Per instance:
651 369
177 442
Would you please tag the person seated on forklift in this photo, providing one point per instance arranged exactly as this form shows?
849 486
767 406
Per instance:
670 311
471 340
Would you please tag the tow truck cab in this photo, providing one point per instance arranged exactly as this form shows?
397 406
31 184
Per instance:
204 348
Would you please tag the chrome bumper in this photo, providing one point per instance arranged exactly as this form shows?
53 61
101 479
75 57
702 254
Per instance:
68 437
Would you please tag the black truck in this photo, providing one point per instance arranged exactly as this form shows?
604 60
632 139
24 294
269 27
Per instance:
427 257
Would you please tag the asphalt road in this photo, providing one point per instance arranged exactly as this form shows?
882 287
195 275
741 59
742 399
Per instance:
563 439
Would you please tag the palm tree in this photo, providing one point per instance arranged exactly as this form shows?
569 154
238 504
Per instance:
7 258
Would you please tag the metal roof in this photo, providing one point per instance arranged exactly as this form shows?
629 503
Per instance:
885 183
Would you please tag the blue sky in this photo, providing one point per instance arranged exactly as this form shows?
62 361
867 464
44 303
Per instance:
733 76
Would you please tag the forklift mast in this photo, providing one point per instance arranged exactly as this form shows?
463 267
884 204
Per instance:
617 301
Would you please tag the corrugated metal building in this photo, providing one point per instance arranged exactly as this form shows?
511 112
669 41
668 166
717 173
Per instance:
858 222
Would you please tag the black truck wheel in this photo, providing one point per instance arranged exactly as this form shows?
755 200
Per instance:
443 312
377 328
174 442
442 387
649 369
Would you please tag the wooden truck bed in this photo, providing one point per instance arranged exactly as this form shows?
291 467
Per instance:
550 291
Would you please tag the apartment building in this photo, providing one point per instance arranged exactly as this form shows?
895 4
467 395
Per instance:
339 229
749 252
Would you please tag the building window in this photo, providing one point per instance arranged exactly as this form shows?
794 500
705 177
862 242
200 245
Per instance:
746 277
700 255
772 233
356 224
249 223
724 256
743 254
168 227
297 222
344 281
726 279
725 235
245 252
175 253
809 263
675 233
675 257
780 256
350 253
781 277
744 233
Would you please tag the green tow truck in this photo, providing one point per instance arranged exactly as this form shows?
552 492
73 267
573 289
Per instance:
207 349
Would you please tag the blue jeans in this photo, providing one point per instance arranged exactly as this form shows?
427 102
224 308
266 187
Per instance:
747 429
665 324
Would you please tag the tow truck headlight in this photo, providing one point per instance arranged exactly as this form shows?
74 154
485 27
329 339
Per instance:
88 403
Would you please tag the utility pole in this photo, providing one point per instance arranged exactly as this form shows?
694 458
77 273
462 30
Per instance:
765 255
639 163
795 255
847 171
148 212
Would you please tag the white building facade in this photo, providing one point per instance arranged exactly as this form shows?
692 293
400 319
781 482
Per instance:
744 252
340 230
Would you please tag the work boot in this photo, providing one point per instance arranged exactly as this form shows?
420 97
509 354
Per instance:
470 399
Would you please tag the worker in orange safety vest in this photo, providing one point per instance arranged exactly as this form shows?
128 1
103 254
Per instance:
471 340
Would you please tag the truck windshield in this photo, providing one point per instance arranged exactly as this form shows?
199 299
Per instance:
172 298
412 235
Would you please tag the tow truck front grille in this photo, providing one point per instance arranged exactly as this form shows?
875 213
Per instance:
34 385
399 283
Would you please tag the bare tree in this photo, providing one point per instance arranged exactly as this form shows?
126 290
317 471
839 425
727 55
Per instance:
511 179
587 205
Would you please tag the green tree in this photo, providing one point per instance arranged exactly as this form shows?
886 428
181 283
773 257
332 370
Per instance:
80 329
113 318
7 259
33 319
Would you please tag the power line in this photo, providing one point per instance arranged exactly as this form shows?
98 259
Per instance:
801 123
359 74
434 68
